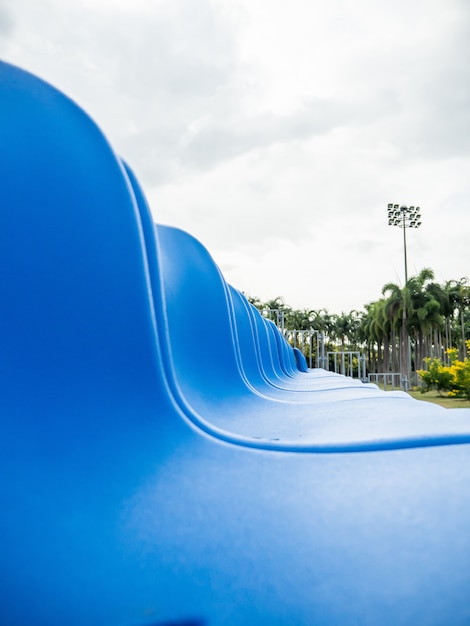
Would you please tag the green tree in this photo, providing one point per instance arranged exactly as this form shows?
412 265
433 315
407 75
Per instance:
393 311
424 315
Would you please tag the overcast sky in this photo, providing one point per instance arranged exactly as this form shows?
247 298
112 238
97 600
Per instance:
278 131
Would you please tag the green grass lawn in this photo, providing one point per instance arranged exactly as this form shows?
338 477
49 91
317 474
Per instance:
448 403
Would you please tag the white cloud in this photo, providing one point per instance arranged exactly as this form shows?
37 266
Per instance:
277 133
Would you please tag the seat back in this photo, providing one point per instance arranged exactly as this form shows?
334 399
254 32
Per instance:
300 361
204 359
76 305
246 340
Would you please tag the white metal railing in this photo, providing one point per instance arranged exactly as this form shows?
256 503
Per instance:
304 339
348 363
386 380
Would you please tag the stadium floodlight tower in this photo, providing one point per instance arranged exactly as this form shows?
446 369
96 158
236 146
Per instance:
405 217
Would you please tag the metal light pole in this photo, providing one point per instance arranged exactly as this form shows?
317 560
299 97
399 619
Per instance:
405 217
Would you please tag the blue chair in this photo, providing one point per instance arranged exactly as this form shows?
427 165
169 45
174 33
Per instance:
315 379
300 360
118 506
283 355
247 343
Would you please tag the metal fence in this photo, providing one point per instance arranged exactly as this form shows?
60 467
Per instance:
311 343
389 381
347 362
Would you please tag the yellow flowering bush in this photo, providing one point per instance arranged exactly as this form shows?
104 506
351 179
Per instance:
436 376
455 378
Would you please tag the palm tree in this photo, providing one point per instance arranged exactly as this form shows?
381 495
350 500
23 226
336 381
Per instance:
363 333
424 315
299 319
371 332
323 321
425 323
394 312
461 299
353 335
342 329
443 295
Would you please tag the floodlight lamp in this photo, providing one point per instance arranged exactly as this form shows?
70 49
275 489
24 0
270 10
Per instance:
390 222
395 206
389 206
418 216
418 224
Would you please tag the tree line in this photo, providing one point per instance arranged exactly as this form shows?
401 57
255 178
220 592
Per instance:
398 331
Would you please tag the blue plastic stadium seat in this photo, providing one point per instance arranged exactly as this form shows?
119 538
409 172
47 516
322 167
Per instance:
147 477
300 361
247 344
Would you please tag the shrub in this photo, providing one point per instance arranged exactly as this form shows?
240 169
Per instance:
455 379
437 376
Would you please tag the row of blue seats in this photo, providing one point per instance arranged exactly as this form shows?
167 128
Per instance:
235 375
165 456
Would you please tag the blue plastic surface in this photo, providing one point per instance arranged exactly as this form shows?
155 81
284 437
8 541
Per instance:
300 360
149 476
